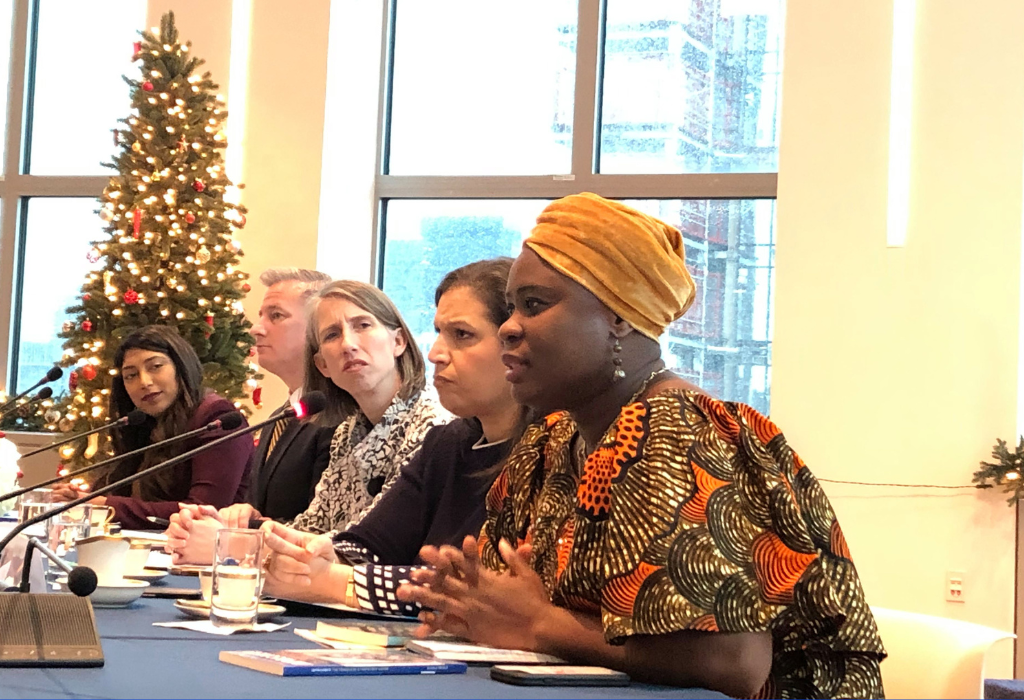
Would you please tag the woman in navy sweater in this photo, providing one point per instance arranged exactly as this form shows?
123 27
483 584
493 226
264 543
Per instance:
439 497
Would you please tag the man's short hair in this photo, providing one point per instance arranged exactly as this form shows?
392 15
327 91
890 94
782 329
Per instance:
311 280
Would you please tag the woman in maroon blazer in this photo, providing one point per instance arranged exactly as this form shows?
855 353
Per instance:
160 374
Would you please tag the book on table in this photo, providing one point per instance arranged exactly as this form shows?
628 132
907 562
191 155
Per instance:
335 662
477 654
371 634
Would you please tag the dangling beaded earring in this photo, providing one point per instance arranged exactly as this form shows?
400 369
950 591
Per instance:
617 361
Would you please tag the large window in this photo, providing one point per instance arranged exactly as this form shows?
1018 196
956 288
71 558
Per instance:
65 94
670 105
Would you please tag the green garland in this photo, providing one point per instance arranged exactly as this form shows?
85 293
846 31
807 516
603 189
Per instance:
1005 471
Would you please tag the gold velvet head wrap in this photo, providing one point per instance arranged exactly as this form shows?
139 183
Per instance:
634 263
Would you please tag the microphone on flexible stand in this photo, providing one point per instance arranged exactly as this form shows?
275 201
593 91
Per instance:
52 375
311 404
133 419
44 393
228 421
81 579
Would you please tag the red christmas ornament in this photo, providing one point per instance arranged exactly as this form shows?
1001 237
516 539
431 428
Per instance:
240 221
252 351
86 324
198 185
136 49
61 469
131 296
136 222
86 296
209 318
147 86
73 381
190 218
89 372
257 395
246 287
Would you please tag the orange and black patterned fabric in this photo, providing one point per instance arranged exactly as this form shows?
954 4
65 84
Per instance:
692 513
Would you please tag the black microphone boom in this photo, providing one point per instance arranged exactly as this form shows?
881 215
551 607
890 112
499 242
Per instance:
313 403
44 393
135 418
52 375
228 421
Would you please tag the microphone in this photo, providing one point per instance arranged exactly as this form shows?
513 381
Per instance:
133 419
52 375
44 393
81 579
309 405
228 421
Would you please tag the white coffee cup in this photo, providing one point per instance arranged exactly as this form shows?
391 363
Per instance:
137 557
106 555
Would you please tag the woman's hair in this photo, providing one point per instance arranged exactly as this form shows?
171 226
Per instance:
174 420
487 279
340 404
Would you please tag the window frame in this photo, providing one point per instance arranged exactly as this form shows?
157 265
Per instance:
586 134
17 187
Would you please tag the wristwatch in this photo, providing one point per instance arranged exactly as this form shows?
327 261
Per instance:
350 590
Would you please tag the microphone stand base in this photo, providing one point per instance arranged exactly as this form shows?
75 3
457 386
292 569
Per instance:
54 630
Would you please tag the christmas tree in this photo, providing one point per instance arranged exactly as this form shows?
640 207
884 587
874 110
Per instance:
170 257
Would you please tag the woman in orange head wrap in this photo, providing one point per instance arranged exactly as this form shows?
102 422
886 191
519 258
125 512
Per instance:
644 525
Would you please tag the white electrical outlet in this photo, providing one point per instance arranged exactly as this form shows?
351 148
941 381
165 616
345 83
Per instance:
955 586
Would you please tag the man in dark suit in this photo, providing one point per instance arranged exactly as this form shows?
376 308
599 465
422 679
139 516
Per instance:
291 454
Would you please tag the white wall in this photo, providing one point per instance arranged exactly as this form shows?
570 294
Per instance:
900 365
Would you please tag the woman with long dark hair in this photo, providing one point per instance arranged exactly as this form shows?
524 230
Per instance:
160 374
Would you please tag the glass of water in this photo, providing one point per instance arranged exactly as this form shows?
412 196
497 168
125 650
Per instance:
236 578
33 503
69 527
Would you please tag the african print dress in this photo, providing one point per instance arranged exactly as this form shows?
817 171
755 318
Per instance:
696 514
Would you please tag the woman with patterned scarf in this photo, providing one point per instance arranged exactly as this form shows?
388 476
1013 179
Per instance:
360 355
644 525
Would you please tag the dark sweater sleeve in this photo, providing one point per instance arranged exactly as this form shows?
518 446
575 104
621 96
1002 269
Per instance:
324 437
394 530
218 476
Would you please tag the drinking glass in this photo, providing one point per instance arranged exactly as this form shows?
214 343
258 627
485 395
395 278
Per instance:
69 527
33 503
236 577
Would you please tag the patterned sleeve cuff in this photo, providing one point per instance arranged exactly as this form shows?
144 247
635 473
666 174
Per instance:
353 554
376 587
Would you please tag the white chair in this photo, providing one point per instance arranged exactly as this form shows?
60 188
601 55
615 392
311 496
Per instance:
933 657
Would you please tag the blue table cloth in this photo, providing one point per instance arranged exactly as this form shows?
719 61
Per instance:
143 661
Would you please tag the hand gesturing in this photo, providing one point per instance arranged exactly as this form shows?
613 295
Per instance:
467 599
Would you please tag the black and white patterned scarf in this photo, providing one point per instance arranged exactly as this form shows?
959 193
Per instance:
366 460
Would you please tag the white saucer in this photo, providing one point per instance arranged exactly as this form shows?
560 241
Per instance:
201 609
126 592
149 575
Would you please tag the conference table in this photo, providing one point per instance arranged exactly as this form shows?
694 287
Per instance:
143 661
